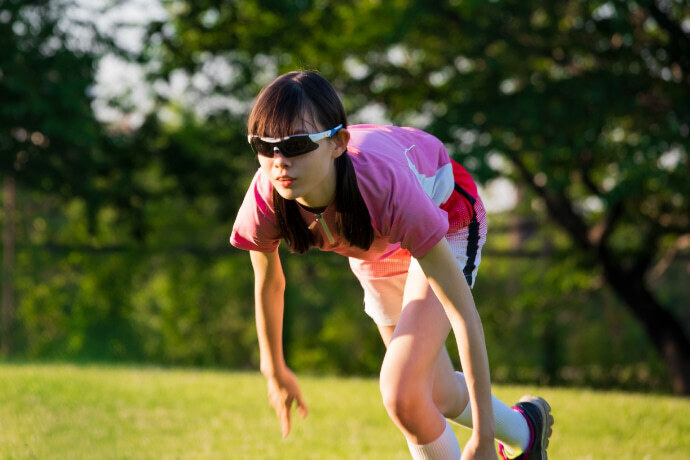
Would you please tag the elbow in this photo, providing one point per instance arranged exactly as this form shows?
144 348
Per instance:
277 281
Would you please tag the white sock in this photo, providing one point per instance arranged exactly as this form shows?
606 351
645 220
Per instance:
511 427
445 447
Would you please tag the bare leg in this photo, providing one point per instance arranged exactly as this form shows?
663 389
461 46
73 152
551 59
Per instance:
415 367
449 391
418 383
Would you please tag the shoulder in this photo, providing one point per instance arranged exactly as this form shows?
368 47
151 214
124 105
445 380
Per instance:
378 149
392 157
255 226
260 191
378 159
396 146
258 201
372 132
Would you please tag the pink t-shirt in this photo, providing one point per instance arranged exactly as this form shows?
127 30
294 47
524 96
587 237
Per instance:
405 177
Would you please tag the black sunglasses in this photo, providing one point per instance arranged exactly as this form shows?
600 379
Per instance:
289 146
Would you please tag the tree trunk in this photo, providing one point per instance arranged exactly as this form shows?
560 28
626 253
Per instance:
662 327
7 313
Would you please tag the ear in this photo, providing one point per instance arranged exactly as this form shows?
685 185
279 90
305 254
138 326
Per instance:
340 140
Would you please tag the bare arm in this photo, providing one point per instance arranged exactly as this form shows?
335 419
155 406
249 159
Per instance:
269 290
448 283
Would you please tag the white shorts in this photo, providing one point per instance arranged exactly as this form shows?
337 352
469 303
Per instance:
384 280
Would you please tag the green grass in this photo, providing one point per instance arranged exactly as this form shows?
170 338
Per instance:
105 412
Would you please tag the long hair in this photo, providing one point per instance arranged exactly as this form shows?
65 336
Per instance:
299 97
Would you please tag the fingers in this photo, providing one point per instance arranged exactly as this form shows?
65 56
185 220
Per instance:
301 406
284 416
281 396
281 403
284 410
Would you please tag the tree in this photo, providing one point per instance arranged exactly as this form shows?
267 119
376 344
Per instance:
46 123
7 307
48 129
586 102
50 138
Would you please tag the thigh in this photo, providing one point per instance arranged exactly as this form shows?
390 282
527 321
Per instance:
419 336
418 349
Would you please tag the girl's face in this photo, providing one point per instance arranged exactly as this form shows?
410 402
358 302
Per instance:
308 178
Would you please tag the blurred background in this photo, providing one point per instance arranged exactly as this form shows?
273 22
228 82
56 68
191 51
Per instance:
124 159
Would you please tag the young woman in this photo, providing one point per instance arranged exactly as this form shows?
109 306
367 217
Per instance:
412 225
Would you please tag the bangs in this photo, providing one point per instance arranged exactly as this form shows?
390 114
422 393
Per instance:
294 101
281 109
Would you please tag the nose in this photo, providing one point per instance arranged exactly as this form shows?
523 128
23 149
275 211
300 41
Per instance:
279 158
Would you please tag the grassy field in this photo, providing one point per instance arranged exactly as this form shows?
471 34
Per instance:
102 412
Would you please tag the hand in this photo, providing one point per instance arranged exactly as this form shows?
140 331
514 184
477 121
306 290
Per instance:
283 390
477 450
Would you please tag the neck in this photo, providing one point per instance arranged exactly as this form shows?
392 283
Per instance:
314 210
323 195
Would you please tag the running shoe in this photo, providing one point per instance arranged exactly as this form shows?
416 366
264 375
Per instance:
537 412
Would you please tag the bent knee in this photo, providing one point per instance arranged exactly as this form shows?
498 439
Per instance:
402 399
451 397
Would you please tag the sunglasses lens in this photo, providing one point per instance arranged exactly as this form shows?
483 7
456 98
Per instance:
262 147
291 147
297 145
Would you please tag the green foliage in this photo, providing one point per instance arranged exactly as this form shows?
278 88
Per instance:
125 301
47 128
326 327
180 300
586 103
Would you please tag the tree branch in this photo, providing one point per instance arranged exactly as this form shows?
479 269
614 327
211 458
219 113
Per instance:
660 268
600 233
558 205
585 160
645 257
679 41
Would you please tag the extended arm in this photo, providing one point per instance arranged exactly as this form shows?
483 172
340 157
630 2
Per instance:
448 283
269 289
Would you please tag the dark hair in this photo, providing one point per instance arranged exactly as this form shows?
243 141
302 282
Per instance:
305 96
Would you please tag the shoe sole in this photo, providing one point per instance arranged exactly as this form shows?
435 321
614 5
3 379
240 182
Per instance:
545 411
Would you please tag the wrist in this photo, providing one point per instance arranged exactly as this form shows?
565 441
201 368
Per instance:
272 370
484 436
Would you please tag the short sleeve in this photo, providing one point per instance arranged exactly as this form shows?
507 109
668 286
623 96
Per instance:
255 228
399 207
415 220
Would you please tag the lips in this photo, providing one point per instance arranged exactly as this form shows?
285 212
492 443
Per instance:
285 181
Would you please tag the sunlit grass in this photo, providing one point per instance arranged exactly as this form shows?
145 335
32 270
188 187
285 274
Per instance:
104 412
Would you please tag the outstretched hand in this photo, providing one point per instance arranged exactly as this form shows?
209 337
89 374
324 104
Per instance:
283 390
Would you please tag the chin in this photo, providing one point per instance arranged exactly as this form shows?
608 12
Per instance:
286 194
